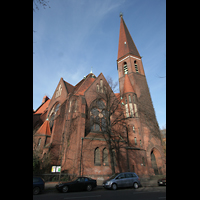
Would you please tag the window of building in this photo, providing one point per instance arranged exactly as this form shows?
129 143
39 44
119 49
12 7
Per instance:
39 141
105 157
125 68
135 140
136 68
101 86
70 103
97 87
135 108
52 115
97 157
126 107
129 98
143 161
133 129
140 143
131 109
98 116
75 106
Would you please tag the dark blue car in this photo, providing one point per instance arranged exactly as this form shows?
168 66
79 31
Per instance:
38 185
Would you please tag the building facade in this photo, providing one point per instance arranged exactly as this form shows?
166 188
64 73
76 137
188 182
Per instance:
75 126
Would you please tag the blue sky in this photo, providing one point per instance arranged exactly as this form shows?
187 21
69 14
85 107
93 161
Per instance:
74 35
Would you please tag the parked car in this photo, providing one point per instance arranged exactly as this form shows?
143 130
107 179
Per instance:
162 181
126 179
38 185
78 184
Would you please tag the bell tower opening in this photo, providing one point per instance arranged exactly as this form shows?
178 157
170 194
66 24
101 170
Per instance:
125 68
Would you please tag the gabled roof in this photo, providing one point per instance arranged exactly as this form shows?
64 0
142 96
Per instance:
44 129
42 107
126 44
127 85
84 84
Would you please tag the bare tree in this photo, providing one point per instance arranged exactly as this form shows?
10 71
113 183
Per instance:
111 122
37 3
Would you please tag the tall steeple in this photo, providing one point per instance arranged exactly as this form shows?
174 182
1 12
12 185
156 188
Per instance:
126 44
128 60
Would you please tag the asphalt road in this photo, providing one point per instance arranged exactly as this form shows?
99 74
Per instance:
143 193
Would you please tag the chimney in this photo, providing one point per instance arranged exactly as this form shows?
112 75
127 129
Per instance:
45 98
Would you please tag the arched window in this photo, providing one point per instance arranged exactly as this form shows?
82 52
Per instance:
133 129
97 87
52 115
101 86
126 107
39 141
75 106
136 68
125 68
130 106
98 116
135 140
105 157
97 157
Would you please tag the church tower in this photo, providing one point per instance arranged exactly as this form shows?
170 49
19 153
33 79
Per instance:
145 149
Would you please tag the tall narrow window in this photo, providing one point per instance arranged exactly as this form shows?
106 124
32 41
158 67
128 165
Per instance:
136 68
105 157
135 140
135 108
97 87
75 107
131 109
97 157
126 107
130 106
101 86
70 103
133 129
125 68
39 141
143 161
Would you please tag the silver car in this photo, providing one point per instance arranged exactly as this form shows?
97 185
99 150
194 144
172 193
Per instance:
125 179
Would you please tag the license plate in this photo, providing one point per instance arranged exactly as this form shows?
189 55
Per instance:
161 182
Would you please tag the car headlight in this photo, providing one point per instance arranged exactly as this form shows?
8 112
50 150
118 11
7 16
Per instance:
108 183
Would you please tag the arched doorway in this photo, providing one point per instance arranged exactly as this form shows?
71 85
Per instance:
154 163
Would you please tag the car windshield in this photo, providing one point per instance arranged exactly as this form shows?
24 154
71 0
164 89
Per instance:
113 176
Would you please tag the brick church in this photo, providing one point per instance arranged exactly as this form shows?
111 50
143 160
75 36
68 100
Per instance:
89 134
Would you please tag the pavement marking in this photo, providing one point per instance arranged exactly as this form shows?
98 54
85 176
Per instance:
82 197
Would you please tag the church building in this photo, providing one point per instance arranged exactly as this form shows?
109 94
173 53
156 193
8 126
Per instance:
89 130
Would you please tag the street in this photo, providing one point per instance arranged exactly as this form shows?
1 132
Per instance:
143 193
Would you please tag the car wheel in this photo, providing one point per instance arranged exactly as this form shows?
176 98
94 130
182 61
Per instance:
65 189
89 188
36 190
114 186
135 185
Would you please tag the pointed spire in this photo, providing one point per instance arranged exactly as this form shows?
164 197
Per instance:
91 71
126 44
127 85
